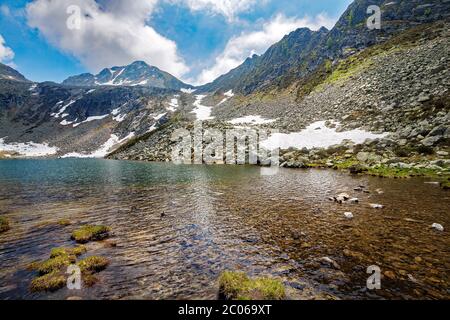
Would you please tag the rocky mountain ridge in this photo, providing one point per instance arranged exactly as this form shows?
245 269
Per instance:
136 74
303 51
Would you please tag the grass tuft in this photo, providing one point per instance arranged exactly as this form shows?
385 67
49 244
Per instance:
238 286
90 233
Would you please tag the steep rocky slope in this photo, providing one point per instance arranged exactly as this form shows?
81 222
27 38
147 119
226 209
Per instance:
399 87
79 120
303 51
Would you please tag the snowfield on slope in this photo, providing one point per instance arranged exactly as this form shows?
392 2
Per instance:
202 112
28 149
317 135
106 148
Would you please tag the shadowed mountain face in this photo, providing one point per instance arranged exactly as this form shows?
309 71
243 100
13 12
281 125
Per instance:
303 51
136 74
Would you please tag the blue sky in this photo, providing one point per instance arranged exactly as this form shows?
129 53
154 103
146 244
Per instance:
196 40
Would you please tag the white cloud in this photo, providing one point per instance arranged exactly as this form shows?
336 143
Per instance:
227 8
6 53
113 32
257 42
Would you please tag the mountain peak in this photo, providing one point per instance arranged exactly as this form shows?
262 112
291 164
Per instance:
138 73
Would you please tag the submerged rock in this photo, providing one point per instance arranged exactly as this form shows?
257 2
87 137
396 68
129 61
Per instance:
438 227
330 262
348 215
340 198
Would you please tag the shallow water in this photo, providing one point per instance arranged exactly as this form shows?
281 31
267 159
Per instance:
219 218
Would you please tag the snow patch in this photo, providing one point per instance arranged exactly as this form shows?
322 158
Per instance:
63 109
317 135
229 94
90 119
173 105
28 149
106 148
189 91
120 117
202 112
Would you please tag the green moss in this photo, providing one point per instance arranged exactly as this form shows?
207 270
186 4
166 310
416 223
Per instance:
64 252
445 185
388 172
346 164
49 282
90 233
4 224
238 286
93 264
64 222
55 264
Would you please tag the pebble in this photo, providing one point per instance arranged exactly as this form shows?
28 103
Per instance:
437 227
349 215
330 262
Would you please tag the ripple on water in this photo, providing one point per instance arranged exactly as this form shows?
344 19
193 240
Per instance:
219 218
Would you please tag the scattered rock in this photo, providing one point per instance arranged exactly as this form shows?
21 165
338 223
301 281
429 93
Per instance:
353 200
330 262
438 227
376 206
340 198
348 215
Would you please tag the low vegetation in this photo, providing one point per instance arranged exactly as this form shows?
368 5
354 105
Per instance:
51 273
49 282
238 286
90 233
93 264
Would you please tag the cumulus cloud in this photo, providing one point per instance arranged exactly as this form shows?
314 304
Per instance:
246 44
112 32
227 8
6 53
